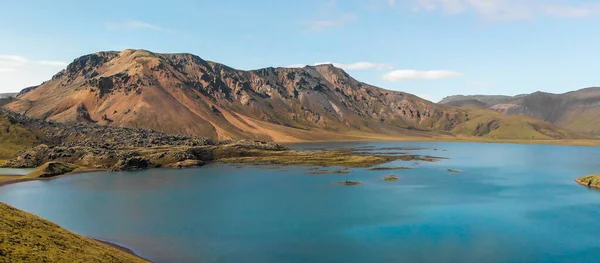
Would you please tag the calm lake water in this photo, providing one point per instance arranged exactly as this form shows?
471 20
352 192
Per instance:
511 203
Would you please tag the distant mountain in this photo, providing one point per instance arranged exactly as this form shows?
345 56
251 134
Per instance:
182 93
7 95
577 110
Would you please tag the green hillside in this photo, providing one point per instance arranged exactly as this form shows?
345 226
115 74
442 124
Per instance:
493 125
28 238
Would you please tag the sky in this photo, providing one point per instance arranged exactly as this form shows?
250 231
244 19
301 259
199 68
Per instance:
431 48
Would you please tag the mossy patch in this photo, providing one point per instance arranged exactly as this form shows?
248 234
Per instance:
320 158
350 183
391 178
590 180
329 172
389 168
51 169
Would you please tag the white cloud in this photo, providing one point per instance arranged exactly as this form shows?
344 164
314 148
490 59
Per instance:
18 72
13 59
134 24
52 63
409 74
512 9
391 3
351 66
320 25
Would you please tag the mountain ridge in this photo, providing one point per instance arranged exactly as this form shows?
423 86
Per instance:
577 110
217 101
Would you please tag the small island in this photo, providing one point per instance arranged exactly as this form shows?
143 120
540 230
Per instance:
350 183
391 178
453 171
589 180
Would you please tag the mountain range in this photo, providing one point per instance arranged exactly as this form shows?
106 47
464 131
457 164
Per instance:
577 110
184 94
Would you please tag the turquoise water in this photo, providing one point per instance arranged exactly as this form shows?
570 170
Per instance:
11 171
511 203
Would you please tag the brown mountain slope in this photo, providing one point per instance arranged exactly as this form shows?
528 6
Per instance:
181 93
577 110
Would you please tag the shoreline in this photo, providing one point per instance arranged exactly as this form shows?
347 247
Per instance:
22 180
574 142
579 143
595 187
120 247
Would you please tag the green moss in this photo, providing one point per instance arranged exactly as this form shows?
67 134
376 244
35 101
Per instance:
391 178
350 183
27 238
51 169
590 180
15 138
322 158
329 172
390 168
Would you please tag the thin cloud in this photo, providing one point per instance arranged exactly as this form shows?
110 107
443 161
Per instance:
351 66
320 25
13 62
134 25
409 74
511 9
13 59
52 63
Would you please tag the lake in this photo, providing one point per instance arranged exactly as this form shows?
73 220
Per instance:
510 203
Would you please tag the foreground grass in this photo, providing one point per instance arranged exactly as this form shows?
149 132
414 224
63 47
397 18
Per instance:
28 238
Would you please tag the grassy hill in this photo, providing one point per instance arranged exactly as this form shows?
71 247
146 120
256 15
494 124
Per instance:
576 110
28 238
493 125
15 137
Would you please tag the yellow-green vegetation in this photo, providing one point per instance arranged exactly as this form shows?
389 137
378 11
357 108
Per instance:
494 125
329 172
51 169
15 138
390 168
589 180
453 171
391 178
318 158
350 183
28 238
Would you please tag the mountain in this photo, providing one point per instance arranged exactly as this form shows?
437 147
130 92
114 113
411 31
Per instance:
577 110
184 94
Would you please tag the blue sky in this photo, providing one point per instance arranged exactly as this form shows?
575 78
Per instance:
431 48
